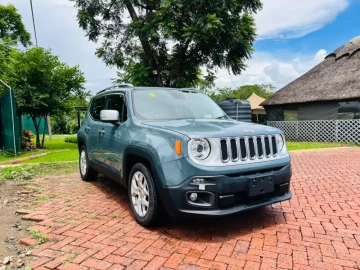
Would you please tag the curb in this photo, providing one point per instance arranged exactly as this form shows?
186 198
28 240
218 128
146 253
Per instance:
16 161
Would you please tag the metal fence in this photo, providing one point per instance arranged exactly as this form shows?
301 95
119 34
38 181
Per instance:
320 130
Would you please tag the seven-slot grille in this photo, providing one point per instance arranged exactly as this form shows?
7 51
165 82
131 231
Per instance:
248 148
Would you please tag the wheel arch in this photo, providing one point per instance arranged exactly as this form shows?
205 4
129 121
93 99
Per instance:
133 155
80 142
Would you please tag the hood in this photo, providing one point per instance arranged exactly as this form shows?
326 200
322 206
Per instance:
211 128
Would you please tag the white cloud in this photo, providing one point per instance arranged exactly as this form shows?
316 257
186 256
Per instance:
296 18
265 68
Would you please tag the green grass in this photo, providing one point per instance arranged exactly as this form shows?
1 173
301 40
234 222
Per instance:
71 139
28 171
291 146
59 150
65 155
21 155
56 144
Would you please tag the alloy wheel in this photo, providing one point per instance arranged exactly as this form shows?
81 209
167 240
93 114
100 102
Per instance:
140 193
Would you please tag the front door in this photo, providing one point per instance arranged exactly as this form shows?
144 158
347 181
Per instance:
91 128
111 135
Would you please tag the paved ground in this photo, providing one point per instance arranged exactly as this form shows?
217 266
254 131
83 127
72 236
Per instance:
91 227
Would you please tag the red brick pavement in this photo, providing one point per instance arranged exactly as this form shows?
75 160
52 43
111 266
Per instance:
90 225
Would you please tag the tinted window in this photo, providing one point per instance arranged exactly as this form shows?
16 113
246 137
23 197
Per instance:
175 104
97 105
116 102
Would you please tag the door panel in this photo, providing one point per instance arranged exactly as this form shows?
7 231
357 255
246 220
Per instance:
111 135
91 128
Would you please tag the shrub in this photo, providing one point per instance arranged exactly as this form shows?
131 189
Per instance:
71 139
8 153
26 140
60 124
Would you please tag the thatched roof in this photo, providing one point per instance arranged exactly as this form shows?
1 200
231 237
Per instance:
335 78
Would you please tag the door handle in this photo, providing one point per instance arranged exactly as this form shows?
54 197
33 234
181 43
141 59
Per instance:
101 132
87 129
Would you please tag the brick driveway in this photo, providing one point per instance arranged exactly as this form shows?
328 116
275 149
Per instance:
90 225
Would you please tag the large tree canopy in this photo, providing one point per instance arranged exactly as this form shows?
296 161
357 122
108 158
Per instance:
7 50
43 85
12 27
242 92
168 42
12 33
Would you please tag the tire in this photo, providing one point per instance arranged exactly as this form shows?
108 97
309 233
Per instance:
141 190
86 172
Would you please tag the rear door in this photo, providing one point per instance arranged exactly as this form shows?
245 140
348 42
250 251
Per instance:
91 127
112 135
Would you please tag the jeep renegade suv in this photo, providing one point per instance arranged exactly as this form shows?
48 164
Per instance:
178 149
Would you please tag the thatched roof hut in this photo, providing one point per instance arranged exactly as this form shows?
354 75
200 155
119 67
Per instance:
335 79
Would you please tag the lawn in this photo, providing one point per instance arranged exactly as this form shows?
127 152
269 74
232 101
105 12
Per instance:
58 150
26 154
291 146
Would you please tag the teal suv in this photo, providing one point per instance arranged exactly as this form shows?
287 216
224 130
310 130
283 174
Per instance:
175 149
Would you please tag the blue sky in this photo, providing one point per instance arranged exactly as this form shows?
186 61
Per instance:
334 34
293 36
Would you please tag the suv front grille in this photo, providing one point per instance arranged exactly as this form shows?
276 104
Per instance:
249 147
224 151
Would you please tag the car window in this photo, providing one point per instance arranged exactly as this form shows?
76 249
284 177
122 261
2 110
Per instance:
97 105
174 105
117 102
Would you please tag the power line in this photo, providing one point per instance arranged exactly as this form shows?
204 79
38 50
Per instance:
33 19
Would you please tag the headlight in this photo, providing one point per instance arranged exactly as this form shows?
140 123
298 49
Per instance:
200 148
280 141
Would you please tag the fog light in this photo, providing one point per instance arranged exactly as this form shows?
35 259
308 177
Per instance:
193 196
199 181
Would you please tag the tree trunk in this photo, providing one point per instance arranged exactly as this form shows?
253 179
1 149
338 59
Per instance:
36 125
144 43
148 51
43 137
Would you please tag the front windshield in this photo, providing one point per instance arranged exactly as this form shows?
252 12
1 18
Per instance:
174 105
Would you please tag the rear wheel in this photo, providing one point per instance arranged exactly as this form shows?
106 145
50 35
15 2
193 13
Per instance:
142 195
86 172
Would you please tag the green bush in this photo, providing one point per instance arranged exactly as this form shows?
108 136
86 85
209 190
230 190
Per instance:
71 139
8 153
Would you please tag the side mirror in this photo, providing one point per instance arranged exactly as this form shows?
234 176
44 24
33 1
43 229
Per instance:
110 116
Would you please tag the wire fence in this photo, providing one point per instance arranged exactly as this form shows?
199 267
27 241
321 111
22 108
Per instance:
320 130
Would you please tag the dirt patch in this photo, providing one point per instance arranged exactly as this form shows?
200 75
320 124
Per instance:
12 196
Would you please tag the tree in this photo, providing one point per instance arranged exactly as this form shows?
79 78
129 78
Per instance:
242 92
7 51
12 33
66 122
168 42
12 27
43 85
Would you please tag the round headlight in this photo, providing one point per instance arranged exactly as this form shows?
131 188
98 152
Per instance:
280 140
200 148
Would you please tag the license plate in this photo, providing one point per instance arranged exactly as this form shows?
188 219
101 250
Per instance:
261 185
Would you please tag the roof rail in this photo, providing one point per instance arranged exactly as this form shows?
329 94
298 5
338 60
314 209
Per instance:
125 85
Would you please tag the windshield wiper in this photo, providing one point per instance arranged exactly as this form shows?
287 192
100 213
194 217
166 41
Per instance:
222 117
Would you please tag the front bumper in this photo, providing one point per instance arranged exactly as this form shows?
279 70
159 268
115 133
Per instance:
228 194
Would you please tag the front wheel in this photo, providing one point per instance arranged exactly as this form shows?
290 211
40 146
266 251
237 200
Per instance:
86 172
142 194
